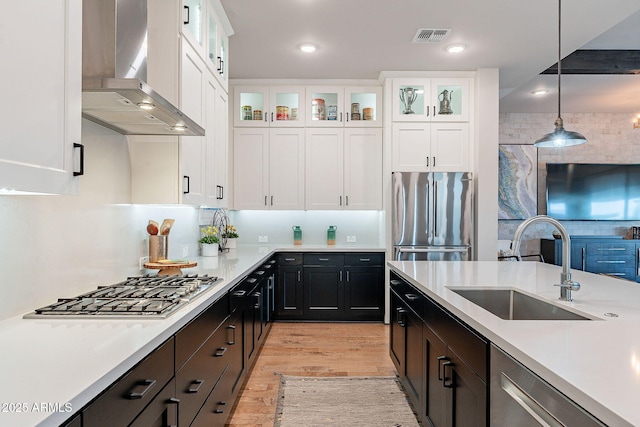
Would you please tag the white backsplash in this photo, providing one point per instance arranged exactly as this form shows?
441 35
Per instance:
60 246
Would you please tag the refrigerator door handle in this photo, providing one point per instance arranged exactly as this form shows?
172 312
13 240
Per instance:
425 250
435 208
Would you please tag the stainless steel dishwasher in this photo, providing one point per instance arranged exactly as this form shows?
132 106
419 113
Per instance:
521 398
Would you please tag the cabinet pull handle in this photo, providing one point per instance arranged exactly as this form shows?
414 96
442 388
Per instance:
323 259
366 260
440 360
348 276
446 383
340 200
411 297
146 385
239 293
401 318
341 275
340 115
299 278
271 116
81 147
185 21
397 282
289 259
220 352
434 161
188 182
535 409
195 386
258 297
347 113
220 194
265 200
427 161
231 334
428 111
220 407
346 198
271 200
173 415
219 65
584 259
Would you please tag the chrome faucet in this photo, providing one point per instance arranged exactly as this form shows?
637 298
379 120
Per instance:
566 284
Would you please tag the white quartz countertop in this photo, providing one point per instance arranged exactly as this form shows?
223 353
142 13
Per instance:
51 368
595 363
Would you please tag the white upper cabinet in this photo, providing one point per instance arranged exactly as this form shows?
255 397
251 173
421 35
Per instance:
274 106
39 153
193 23
269 168
344 169
433 100
338 106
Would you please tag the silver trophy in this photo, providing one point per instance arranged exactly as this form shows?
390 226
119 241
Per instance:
408 96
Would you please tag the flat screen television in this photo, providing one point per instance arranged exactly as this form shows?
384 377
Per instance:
593 191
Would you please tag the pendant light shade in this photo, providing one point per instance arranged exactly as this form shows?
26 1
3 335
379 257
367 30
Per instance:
560 137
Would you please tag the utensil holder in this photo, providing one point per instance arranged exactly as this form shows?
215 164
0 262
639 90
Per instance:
158 247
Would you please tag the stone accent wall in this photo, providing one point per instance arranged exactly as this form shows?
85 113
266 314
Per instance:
611 138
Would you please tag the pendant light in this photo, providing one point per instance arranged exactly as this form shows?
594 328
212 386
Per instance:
560 137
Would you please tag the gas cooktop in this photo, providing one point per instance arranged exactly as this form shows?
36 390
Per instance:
148 297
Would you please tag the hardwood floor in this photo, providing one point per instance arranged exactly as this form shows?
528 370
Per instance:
310 349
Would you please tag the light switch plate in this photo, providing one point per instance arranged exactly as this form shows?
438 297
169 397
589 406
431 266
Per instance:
142 261
185 251
351 239
263 239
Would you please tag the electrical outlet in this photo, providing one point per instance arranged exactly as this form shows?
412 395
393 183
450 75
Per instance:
185 251
263 239
351 239
142 261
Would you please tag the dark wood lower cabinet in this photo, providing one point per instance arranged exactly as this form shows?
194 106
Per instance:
330 286
442 364
162 411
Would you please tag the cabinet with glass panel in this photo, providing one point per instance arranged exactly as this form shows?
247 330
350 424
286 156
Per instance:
344 106
271 106
432 100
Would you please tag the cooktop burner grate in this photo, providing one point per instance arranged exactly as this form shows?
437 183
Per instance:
149 296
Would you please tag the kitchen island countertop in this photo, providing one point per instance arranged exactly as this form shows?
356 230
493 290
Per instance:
595 363
51 368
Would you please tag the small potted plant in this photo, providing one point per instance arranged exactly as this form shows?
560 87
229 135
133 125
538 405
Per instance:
209 240
231 234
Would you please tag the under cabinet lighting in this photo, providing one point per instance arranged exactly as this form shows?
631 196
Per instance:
179 127
145 105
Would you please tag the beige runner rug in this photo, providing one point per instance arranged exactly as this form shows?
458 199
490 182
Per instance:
342 401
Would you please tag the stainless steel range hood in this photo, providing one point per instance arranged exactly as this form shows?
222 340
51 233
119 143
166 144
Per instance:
114 72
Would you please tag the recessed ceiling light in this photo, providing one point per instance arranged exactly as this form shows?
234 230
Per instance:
308 47
540 92
456 48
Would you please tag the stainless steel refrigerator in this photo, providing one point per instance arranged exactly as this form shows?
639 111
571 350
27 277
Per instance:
432 216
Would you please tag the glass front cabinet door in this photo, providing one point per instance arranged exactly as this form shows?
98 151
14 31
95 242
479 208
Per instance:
272 106
351 106
193 22
363 106
433 100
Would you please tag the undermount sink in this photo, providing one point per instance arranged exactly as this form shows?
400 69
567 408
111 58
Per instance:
510 304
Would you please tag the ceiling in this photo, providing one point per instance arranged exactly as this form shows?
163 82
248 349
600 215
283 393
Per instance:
357 39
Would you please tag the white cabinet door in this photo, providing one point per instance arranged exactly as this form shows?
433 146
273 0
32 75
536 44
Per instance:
325 106
287 106
251 168
221 149
193 23
251 106
434 147
450 147
37 150
363 168
194 148
286 169
431 100
324 168
363 106
411 147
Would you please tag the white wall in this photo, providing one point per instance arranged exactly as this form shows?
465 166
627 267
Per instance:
57 246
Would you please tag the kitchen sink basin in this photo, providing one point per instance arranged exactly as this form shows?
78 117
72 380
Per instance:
510 304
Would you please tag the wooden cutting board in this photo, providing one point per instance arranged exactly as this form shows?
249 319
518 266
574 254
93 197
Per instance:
169 268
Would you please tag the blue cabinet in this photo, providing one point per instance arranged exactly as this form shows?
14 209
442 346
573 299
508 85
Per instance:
609 255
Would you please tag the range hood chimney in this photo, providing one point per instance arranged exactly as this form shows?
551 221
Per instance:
114 72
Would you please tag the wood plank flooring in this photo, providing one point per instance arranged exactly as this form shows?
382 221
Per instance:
310 349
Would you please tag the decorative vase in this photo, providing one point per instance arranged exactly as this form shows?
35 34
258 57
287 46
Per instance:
209 249
231 243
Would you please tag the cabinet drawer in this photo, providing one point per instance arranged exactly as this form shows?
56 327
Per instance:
610 250
128 396
193 335
197 378
218 405
324 259
469 346
290 258
364 259
409 295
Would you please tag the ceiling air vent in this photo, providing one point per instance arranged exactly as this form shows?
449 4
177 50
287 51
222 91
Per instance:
427 35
